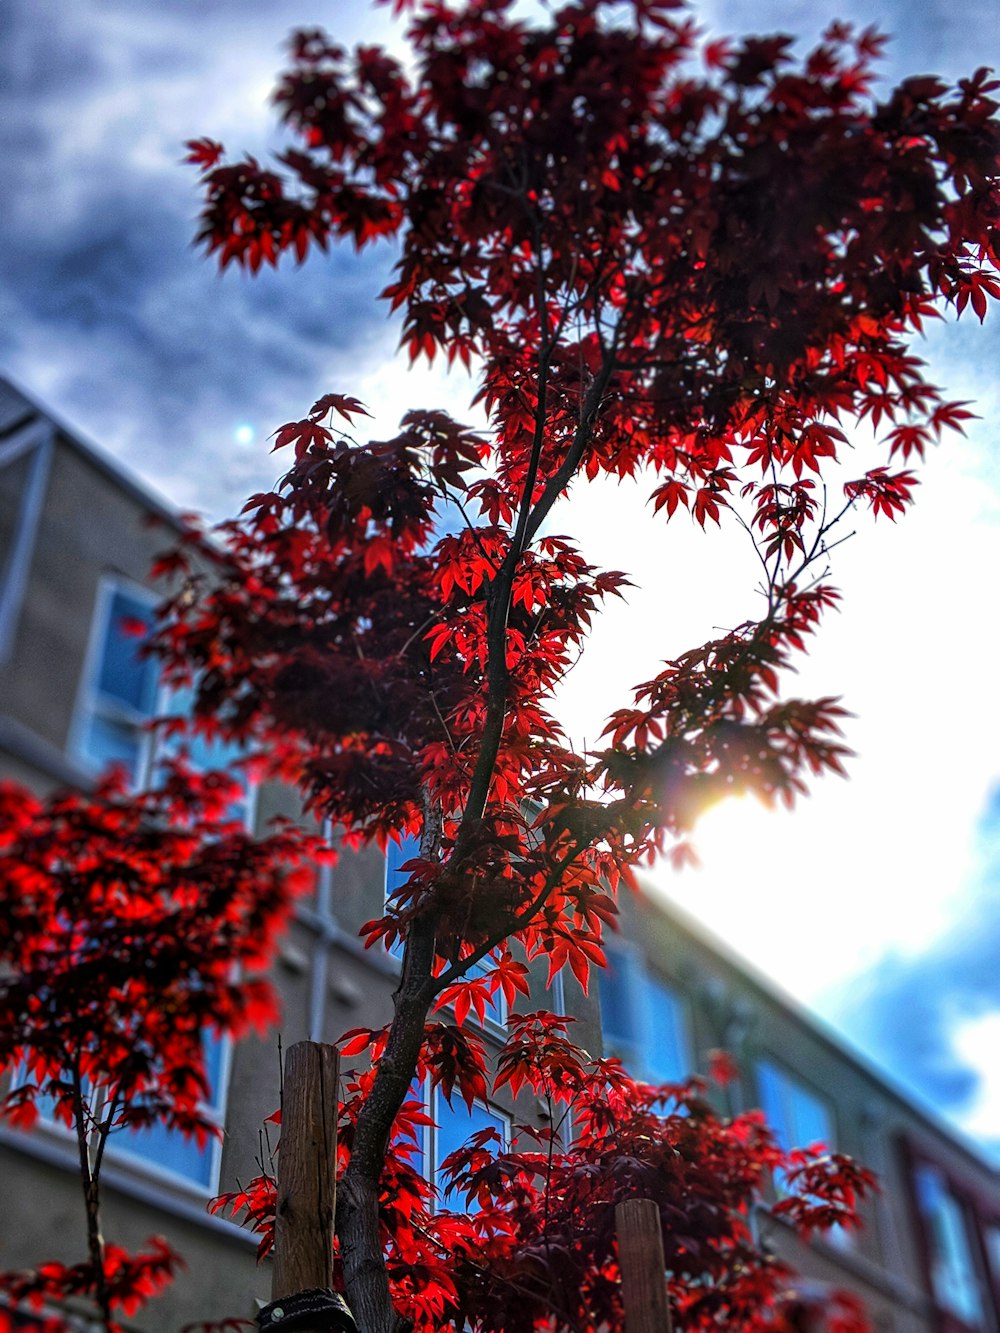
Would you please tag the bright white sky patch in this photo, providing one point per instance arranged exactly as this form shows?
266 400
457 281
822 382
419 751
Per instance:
977 1042
881 861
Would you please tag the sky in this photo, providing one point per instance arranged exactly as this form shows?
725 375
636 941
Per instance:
876 901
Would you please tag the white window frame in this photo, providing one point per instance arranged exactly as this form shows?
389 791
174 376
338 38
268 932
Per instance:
36 438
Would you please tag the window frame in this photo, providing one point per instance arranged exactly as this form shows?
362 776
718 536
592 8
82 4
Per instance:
89 706
151 747
974 1225
36 440
794 1082
119 1151
837 1237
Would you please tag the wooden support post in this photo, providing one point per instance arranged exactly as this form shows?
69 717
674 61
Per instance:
640 1257
307 1171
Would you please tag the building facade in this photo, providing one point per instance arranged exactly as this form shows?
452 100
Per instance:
75 548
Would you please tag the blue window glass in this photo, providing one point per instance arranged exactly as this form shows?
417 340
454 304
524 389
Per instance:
203 753
664 1040
168 1150
454 1126
643 1019
954 1279
799 1118
164 1149
396 856
119 696
615 988
109 742
123 676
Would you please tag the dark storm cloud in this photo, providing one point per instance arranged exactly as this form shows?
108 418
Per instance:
906 1011
106 311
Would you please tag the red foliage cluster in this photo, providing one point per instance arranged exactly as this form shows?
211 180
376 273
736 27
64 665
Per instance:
130 925
704 282
539 1243
131 1279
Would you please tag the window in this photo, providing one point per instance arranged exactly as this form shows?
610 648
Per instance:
799 1118
167 1151
453 1126
396 856
953 1276
642 1018
164 1151
204 754
119 692
120 695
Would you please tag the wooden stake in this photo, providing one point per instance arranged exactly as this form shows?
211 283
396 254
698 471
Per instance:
640 1257
307 1171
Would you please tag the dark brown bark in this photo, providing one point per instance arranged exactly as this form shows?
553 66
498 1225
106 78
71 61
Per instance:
357 1200
90 1180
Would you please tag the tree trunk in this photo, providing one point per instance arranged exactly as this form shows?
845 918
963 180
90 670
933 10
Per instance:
357 1202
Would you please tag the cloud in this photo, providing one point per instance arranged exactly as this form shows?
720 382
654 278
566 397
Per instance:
932 1017
937 36
107 312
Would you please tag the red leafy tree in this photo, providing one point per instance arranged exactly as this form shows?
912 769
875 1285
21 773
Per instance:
699 266
130 926
538 1249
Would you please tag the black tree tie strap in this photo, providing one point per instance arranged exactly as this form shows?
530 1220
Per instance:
316 1309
